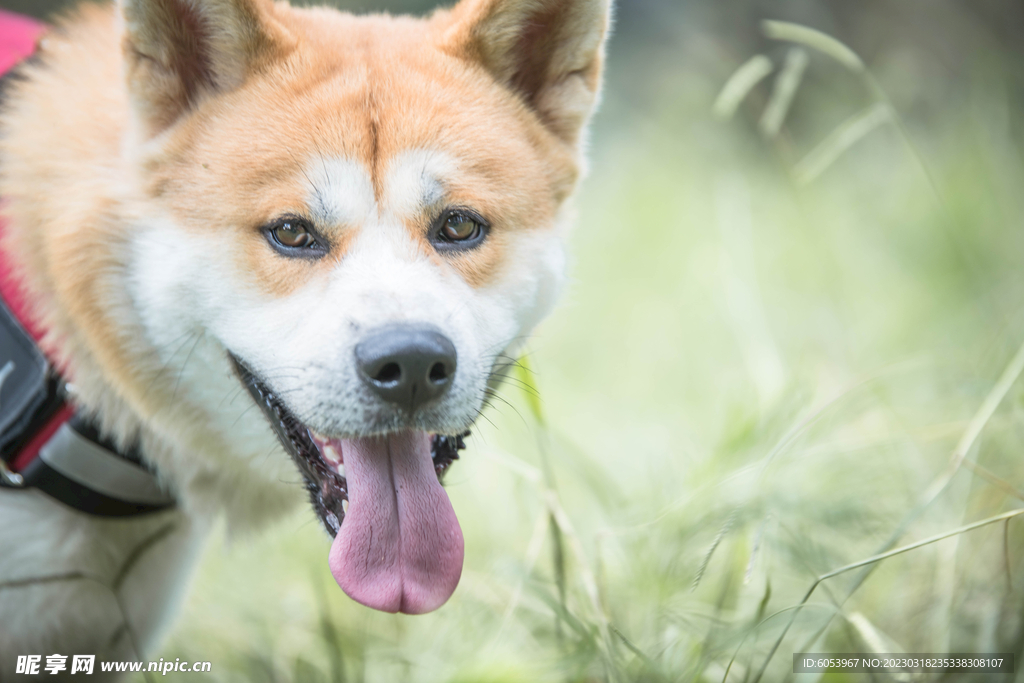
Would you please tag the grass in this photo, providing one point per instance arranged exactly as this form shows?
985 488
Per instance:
779 410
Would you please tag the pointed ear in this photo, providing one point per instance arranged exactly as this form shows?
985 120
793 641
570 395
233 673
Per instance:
179 51
549 52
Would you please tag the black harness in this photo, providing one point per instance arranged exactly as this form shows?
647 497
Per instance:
44 445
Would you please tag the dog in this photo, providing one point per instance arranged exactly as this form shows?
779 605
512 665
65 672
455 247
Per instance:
252 242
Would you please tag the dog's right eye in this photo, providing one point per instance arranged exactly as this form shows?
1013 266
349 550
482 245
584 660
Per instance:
294 236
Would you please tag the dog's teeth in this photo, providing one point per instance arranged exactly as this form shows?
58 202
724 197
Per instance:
331 454
340 468
344 505
328 449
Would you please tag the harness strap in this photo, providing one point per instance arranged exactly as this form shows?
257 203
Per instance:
86 476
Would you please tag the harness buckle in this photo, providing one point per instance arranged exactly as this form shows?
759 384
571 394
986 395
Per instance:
10 479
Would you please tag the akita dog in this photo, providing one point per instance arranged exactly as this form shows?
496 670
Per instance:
255 241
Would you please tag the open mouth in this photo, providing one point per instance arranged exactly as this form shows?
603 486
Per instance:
402 549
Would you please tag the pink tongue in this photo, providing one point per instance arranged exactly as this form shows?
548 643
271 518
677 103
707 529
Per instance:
400 546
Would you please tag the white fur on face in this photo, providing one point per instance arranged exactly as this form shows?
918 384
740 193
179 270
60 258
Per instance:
302 345
341 193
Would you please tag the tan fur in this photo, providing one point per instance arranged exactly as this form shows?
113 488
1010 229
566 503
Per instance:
380 90
209 113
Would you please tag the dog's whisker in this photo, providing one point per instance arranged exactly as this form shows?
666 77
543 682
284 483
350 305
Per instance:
491 394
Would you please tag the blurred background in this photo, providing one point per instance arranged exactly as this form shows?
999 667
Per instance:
791 344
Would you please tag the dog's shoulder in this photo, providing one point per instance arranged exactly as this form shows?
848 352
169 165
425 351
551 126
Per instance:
91 584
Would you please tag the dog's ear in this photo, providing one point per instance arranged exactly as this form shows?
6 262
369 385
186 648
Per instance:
179 51
549 52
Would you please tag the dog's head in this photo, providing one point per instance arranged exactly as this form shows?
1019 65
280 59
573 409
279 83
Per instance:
364 216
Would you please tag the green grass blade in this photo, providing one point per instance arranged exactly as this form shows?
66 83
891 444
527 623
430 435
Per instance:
786 85
525 375
842 138
812 38
878 558
739 85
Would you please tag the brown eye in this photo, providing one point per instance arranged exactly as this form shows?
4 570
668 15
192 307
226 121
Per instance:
295 237
292 234
459 228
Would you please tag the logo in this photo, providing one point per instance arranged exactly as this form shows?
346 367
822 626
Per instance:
30 664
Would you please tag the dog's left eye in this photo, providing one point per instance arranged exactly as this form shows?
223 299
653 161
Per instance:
294 235
459 229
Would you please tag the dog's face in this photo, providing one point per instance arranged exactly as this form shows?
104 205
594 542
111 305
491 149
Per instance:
366 216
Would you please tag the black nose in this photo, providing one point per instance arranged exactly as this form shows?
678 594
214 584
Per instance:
407 365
